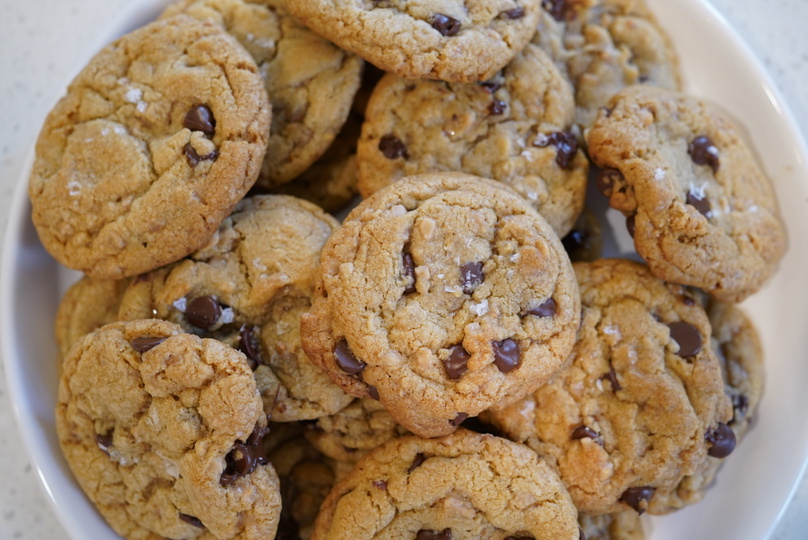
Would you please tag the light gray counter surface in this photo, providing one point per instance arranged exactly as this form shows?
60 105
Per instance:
42 43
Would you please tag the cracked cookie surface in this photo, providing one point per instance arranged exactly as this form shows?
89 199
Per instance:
461 486
155 142
442 295
450 40
161 429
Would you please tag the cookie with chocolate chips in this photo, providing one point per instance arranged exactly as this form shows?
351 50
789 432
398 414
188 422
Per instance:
248 289
700 208
635 409
455 40
442 295
311 83
157 139
461 486
514 128
163 429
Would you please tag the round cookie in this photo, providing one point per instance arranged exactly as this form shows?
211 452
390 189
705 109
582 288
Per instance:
442 295
162 430
311 83
636 408
248 289
157 139
450 40
513 128
461 486
624 525
701 210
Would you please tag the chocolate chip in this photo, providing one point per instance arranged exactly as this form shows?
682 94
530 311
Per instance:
104 441
346 360
566 146
380 484
373 392
606 180
447 26
143 344
586 432
515 13
519 538
250 345
417 462
192 520
740 406
194 158
699 201
456 364
429 534
491 86
611 376
638 497
200 118
497 107
576 240
557 8
703 152
506 355
471 275
631 224
245 457
687 337
545 309
203 312
721 441
409 271
392 147
688 301
459 419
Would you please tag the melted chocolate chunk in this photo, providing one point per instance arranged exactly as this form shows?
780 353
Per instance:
497 107
245 457
703 152
586 432
606 180
203 312
200 118
417 462
557 8
566 146
507 356
545 309
721 441
459 419
409 271
631 224
456 364
346 360
700 202
373 392
392 147
192 520
250 345
471 275
687 337
638 497
104 441
447 26
611 376
194 158
515 13
143 344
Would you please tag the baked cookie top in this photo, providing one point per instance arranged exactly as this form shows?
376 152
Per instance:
701 209
461 486
311 83
634 409
450 40
248 289
514 128
163 431
157 139
442 295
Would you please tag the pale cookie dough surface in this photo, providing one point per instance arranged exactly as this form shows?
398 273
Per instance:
154 422
624 525
461 486
513 128
120 183
630 413
311 83
248 289
450 40
442 295
702 210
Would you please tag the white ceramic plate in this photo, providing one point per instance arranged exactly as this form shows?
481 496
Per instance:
757 481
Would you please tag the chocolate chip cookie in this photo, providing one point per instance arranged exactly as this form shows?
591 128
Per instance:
641 402
461 486
514 128
454 40
163 430
701 210
157 139
248 289
442 295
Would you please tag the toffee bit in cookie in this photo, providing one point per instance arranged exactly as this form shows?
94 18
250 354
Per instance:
566 146
194 158
515 13
556 8
456 364
606 180
638 497
191 520
104 442
373 392
721 441
611 376
687 337
459 419
200 118
586 432
545 309
497 107
250 346
409 271
447 26
471 275
380 484
203 312
507 356
631 224
392 147
245 457
698 200
703 152
346 360
417 462
430 534
143 344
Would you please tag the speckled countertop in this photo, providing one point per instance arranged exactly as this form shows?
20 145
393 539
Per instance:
41 45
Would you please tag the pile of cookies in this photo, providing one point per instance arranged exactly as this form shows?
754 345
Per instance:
454 358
